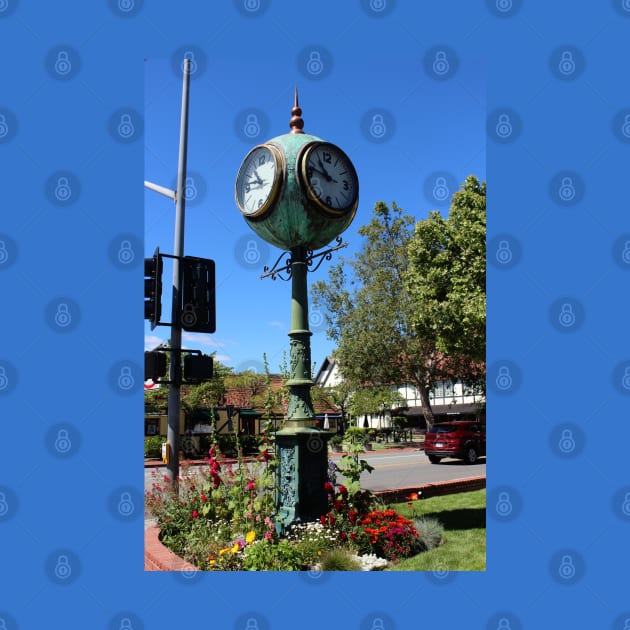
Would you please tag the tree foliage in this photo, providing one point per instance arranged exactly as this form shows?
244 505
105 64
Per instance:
409 307
446 277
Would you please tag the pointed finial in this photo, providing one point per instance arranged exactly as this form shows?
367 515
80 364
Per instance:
296 123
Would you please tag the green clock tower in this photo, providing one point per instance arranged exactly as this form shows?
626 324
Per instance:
298 192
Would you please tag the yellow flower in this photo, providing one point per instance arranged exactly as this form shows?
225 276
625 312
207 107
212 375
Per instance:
235 548
249 537
222 551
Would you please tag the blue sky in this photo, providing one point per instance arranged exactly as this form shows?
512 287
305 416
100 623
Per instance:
403 126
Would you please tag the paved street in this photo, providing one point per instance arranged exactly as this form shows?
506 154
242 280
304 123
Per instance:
394 469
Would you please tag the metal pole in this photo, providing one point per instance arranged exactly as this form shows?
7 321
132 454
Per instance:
176 331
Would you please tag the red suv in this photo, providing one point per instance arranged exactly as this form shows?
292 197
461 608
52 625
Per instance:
462 439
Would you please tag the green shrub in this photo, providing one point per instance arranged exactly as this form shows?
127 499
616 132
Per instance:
430 531
339 560
153 445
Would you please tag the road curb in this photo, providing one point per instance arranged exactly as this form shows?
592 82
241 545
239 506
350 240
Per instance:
426 491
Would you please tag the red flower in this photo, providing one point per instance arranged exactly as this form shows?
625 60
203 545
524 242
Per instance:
343 490
195 514
343 536
329 487
331 519
322 519
352 515
251 485
204 498
353 536
338 505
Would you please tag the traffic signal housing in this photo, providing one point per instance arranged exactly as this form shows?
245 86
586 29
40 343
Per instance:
198 312
154 365
197 368
153 288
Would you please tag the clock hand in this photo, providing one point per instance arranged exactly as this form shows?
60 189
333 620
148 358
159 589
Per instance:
323 171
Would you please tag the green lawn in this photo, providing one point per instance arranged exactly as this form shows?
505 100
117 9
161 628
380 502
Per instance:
463 516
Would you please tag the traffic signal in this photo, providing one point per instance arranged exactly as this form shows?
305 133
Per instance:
153 288
154 365
197 368
198 300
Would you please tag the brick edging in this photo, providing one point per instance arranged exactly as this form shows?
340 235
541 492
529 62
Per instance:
431 490
158 558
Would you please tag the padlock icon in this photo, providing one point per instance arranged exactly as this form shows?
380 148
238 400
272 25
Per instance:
125 624
504 126
62 63
125 379
626 7
504 5
625 506
4 506
504 253
126 255
251 5
4 379
440 63
4 254
504 505
567 316
378 128
3 623
126 5
567 189
252 624
251 128
189 316
625 128
63 570
252 255
625 381
62 316
193 62
126 128
626 625
4 5
63 443
378 5
504 379
63 192
377 624
567 63
125 505
190 190
504 624
567 441
440 190
625 254
315 65
4 128
567 568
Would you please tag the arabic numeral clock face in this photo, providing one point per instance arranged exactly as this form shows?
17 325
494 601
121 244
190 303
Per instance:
259 180
329 178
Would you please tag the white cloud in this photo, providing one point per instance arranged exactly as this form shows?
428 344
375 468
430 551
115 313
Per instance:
152 341
202 340
275 324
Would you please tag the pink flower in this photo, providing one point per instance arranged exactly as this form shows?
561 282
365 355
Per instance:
195 514
251 485
268 535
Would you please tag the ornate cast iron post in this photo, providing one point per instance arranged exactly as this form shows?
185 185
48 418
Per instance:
298 193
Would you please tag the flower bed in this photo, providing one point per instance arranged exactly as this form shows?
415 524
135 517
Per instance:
222 518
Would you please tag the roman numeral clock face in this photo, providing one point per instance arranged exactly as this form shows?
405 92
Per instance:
259 180
329 178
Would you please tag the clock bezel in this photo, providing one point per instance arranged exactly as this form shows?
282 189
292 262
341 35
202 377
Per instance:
276 186
305 184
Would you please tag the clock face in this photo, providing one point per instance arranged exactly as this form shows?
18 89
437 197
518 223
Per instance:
258 180
330 179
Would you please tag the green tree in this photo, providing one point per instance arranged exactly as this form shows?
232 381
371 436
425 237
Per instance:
446 279
369 312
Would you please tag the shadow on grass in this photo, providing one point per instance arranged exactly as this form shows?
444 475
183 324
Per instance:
467 518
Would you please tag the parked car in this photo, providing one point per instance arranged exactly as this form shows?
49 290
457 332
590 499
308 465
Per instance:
462 439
